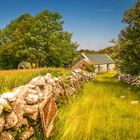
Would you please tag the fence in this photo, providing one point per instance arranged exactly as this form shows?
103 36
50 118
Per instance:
22 109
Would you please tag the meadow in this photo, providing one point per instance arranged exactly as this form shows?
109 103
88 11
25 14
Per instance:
98 113
10 79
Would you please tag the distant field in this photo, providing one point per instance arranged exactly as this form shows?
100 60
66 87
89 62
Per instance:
10 79
100 114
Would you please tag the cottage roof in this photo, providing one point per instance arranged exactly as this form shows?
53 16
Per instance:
99 58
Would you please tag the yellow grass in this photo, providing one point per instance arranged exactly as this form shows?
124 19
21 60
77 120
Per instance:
99 113
10 79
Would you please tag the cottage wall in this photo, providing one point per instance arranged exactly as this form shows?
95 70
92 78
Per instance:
111 67
103 67
82 64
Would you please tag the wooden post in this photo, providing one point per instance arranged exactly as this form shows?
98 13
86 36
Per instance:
48 114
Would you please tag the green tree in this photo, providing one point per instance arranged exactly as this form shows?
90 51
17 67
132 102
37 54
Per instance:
38 39
3 38
129 41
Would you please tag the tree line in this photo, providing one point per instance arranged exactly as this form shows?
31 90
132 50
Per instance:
40 40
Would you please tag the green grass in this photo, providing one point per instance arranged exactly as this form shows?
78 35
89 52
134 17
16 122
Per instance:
10 79
98 113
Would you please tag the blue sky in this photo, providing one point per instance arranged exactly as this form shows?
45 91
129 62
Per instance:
93 22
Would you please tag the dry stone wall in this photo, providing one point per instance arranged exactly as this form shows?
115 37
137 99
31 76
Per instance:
131 80
38 100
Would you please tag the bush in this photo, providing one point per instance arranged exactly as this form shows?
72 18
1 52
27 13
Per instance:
90 68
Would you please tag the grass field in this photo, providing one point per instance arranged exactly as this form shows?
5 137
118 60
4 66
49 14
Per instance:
10 79
98 113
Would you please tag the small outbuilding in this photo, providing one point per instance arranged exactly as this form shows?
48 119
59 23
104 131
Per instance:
101 62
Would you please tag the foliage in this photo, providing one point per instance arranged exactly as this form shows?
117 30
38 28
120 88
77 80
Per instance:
99 113
10 79
86 51
129 41
17 133
90 68
39 39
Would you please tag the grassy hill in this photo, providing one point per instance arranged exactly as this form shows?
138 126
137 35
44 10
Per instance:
98 113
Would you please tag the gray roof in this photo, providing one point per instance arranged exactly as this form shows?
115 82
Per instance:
100 58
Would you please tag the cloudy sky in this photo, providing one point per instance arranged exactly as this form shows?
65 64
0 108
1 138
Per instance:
93 22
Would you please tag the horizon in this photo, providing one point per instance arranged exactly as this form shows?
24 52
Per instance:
93 22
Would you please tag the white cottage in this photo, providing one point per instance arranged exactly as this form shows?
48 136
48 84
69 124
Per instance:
102 62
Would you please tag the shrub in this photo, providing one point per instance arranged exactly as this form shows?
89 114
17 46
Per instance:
90 68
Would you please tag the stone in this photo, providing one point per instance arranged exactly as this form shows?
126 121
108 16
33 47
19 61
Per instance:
10 96
18 108
24 65
77 70
6 136
131 80
3 102
21 91
32 91
49 80
10 120
38 81
27 134
44 91
47 76
32 99
5 105
31 111
2 122
23 104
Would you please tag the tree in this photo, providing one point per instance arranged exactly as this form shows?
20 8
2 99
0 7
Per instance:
38 39
129 41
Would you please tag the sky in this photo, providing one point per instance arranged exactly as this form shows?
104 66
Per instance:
93 22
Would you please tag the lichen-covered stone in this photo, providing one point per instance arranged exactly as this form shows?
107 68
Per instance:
31 111
32 99
21 91
18 108
10 120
